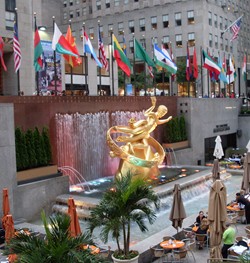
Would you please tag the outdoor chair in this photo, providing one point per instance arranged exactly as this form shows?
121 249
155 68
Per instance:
180 255
201 239
157 253
188 232
104 252
247 229
241 215
168 238
190 248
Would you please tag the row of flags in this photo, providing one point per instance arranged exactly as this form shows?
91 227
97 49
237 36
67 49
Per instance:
67 47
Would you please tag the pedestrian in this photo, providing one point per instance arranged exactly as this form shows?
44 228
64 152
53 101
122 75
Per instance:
228 239
242 200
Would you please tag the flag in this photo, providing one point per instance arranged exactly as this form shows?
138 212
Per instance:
88 48
210 64
16 48
244 67
222 75
188 66
60 44
38 50
235 29
103 57
141 53
124 48
73 61
150 70
1 53
230 72
121 59
195 65
163 59
172 57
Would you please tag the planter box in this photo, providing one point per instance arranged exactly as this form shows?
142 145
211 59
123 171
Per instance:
176 145
36 174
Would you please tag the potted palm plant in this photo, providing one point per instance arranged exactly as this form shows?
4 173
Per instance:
57 247
129 200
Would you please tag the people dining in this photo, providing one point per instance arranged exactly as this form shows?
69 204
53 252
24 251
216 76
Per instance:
240 199
199 218
202 229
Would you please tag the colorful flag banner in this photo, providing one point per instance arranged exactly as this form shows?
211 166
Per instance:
103 57
38 50
17 49
141 53
195 65
121 59
244 67
1 53
72 60
88 48
210 64
188 66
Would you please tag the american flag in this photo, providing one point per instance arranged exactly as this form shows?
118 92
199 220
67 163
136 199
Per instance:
235 29
17 50
103 57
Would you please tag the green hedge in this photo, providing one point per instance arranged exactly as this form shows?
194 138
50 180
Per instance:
175 130
33 148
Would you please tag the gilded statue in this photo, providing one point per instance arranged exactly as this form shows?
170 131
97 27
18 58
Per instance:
138 148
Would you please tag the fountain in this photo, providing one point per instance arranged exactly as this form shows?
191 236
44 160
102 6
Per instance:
170 157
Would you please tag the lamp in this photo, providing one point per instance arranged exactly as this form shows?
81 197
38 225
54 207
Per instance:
42 28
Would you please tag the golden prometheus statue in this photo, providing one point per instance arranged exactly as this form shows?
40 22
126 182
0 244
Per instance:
138 150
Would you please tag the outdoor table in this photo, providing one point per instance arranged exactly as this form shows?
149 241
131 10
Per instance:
233 208
175 244
93 249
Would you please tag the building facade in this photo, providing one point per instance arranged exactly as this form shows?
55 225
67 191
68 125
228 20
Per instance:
196 23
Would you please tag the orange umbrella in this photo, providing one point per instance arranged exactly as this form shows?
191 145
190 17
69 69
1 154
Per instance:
9 228
75 229
6 207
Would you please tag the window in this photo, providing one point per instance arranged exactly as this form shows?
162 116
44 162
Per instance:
65 15
110 29
178 19
143 42
10 5
120 28
165 41
216 41
221 23
131 46
226 45
77 2
65 3
154 40
190 17
215 20
191 39
70 2
136 1
165 21
91 33
9 20
71 14
90 10
225 23
178 40
98 5
101 31
117 2
221 44
84 11
131 26
154 22
210 40
78 12
107 4
125 2
142 24
210 18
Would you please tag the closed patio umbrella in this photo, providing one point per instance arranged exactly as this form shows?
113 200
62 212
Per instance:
6 206
217 214
246 174
177 213
75 228
216 170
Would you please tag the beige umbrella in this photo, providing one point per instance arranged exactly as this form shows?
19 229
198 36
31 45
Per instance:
177 214
216 170
217 214
246 174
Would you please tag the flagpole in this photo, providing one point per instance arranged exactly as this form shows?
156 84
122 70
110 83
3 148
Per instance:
99 52
246 75
37 82
201 73
222 33
208 88
189 62
219 78
18 75
54 57
71 66
85 61
152 43
124 75
112 64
